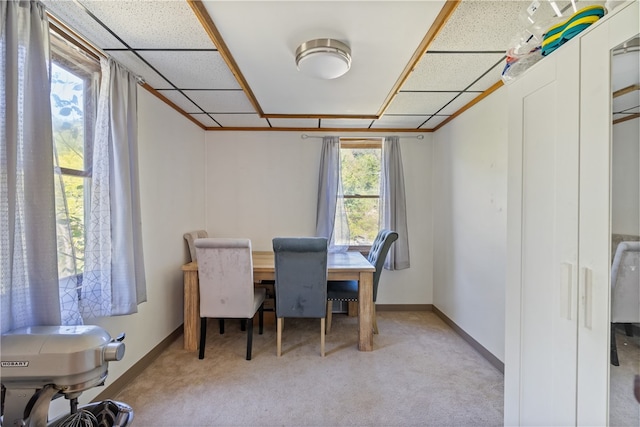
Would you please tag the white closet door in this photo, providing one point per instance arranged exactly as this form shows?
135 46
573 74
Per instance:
540 382
595 230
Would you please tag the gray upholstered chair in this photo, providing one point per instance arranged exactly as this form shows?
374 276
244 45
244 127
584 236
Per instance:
225 271
625 290
347 290
190 237
301 281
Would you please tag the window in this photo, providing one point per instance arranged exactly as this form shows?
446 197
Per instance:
360 162
73 81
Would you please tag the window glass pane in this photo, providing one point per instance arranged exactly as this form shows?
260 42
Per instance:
67 112
362 216
70 217
361 171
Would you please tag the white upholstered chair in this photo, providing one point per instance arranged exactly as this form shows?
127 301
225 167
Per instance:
190 237
625 290
225 271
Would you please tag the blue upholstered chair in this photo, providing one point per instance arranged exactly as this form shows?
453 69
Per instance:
225 271
347 290
301 281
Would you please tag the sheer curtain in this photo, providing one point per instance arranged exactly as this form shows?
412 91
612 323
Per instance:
331 217
28 263
114 278
393 212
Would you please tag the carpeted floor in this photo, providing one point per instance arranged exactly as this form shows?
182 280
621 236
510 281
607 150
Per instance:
420 373
624 410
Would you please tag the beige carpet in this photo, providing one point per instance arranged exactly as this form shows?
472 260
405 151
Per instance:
420 373
624 410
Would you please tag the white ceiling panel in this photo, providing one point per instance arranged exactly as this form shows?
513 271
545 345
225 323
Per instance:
192 69
489 79
75 17
140 68
458 103
403 122
163 20
205 120
181 101
294 123
434 121
221 101
481 26
426 103
263 36
346 123
241 120
428 76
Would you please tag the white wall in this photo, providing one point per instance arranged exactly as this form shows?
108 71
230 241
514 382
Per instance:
261 185
470 201
625 182
171 160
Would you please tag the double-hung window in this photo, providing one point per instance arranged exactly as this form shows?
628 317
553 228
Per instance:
74 81
360 169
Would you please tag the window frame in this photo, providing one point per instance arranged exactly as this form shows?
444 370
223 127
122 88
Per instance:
361 143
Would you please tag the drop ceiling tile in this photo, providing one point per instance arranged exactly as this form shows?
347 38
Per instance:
346 123
294 123
393 121
241 120
205 120
181 101
138 67
221 101
482 25
79 21
458 103
424 103
446 71
162 21
434 121
192 69
493 76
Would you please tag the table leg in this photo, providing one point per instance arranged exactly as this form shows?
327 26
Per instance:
191 310
365 311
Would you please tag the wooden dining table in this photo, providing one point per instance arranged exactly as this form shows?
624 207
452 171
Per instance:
340 266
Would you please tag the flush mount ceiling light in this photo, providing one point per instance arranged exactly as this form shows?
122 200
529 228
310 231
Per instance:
323 58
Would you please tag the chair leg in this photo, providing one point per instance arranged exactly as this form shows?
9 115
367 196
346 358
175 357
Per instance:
329 315
249 323
322 333
614 349
203 336
243 325
221 324
375 321
628 329
279 326
261 319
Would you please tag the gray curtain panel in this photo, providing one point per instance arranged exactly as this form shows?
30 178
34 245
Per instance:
331 217
393 209
114 268
28 261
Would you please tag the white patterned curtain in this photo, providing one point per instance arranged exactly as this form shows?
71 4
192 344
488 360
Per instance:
29 293
393 211
114 278
331 216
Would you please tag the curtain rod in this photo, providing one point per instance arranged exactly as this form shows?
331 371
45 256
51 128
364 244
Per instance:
305 136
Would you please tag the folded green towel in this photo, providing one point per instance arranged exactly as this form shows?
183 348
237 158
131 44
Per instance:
560 33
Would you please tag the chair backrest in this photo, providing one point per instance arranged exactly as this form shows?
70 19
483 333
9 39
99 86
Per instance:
225 274
625 283
301 276
190 237
378 253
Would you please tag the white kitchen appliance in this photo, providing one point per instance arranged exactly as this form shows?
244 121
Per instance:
44 362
